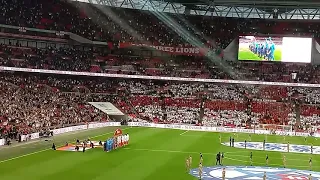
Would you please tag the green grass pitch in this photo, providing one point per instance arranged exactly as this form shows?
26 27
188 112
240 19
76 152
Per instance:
153 154
246 54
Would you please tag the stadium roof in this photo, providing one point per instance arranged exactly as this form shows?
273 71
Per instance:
250 2
267 9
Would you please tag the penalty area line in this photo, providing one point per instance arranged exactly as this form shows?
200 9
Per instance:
37 152
183 133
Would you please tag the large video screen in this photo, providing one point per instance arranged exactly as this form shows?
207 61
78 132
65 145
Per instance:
284 49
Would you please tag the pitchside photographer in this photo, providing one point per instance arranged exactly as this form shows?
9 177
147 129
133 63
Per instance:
45 133
124 122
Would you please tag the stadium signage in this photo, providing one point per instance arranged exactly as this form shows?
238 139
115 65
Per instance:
282 133
66 130
191 51
194 128
4 68
144 124
2 142
104 124
218 129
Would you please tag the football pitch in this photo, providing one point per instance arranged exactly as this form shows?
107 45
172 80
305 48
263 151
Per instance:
153 154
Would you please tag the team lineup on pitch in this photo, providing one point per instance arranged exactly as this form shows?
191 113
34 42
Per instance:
166 150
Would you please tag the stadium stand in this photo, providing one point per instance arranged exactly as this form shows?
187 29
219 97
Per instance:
45 100
50 101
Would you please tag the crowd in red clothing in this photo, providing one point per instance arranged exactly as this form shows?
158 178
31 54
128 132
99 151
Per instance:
31 102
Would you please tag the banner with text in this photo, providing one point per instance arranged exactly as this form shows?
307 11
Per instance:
188 51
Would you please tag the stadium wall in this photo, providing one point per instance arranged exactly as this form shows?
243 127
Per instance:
66 130
220 129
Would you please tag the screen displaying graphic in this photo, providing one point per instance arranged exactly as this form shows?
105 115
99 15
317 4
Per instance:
284 49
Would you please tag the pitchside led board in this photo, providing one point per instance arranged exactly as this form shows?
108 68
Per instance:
284 49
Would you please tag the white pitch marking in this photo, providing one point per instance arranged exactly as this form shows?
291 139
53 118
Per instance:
183 133
168 151
50 148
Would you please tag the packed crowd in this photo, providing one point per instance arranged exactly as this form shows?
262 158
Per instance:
73 59
32 102
117 25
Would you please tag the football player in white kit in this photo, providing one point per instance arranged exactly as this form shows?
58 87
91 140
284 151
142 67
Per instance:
118 140
127 139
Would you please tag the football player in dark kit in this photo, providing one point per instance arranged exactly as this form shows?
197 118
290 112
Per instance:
245 144
233 142
218 158
77 148
84 147
230 141
53 146
267 160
